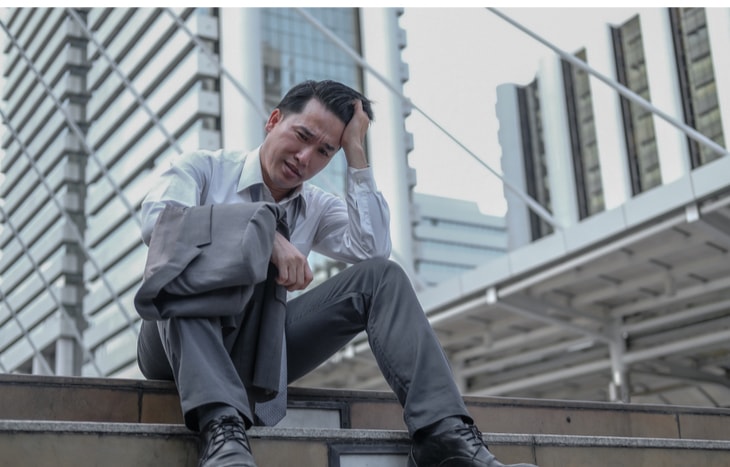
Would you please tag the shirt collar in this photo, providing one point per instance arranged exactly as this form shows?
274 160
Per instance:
251 175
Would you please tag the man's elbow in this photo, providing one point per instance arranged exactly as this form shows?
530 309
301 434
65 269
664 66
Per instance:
146 235
149 214
383 250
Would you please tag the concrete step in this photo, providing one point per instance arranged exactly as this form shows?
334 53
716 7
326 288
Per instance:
59 421
86 444
25 397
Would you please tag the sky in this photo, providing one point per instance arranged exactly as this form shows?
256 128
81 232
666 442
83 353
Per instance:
456 59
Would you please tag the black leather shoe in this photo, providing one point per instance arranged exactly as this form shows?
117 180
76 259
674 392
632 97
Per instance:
225 444
460 447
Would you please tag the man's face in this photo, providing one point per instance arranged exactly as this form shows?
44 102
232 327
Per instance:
298 146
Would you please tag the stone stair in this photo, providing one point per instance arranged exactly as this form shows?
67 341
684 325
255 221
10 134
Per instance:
80 422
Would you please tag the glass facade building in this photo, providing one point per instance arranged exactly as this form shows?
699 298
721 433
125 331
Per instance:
452 237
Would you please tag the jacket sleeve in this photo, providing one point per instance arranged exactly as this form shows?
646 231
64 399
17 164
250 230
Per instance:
206 250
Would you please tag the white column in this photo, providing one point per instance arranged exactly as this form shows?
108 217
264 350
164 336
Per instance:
610 135
387 135
513 167
556 138
661 69
718 29
242 125
65 354
66 347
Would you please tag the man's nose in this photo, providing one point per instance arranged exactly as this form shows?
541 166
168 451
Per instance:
303 156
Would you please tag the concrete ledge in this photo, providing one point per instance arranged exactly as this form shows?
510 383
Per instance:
337 435
323 394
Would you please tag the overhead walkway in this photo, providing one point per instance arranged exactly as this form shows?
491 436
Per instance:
632 304
640 293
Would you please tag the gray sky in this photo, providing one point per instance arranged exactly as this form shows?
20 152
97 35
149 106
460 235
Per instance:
456 58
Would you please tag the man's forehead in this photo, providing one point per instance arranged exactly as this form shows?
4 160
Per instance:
319 122
324 139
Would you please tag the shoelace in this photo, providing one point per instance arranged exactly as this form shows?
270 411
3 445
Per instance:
226 429
472 435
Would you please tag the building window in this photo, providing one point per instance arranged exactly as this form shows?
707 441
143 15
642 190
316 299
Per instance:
536 171
293 50
638 121
584 147
696 80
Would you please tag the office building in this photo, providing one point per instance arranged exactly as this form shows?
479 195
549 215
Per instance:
453 236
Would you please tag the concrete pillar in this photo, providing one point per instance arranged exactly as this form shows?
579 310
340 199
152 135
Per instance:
242 124
610 136
387 138
556 137
661 66
718 30
513 168
619 387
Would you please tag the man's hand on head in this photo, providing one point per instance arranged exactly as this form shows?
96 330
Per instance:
294 271
353 138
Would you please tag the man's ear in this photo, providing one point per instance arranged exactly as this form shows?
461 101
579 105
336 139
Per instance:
274 118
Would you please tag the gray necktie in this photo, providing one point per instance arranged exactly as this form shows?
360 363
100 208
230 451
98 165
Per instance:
271 412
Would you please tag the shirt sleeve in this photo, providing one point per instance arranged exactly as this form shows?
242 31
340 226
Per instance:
182 183
358 227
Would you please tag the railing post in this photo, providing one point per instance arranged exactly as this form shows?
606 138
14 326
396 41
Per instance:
619 386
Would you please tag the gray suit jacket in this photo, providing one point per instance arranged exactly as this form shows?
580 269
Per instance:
205 261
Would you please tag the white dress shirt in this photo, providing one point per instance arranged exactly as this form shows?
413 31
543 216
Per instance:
349 230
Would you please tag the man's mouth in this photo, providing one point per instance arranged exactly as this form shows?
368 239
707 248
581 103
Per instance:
292 168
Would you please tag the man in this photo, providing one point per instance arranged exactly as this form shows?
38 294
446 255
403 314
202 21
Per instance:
206 353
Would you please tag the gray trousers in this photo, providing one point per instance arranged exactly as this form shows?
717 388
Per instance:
375 296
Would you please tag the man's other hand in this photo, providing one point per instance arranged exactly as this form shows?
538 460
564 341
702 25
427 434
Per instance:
353 138
294 271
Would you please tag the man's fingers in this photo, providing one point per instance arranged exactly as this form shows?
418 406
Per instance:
295 276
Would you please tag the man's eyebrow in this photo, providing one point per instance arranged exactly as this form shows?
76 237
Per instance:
309 134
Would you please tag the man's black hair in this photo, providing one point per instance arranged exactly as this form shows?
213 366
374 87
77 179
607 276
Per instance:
336 97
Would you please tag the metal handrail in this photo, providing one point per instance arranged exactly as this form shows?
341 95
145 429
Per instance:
76 334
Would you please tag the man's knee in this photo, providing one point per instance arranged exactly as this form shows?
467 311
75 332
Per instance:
384 269
151 357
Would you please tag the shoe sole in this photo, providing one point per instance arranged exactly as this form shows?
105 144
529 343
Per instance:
446 463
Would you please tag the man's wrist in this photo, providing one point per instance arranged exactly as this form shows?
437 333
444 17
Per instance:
356 158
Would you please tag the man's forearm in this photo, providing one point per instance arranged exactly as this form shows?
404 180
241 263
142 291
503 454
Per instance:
356 157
